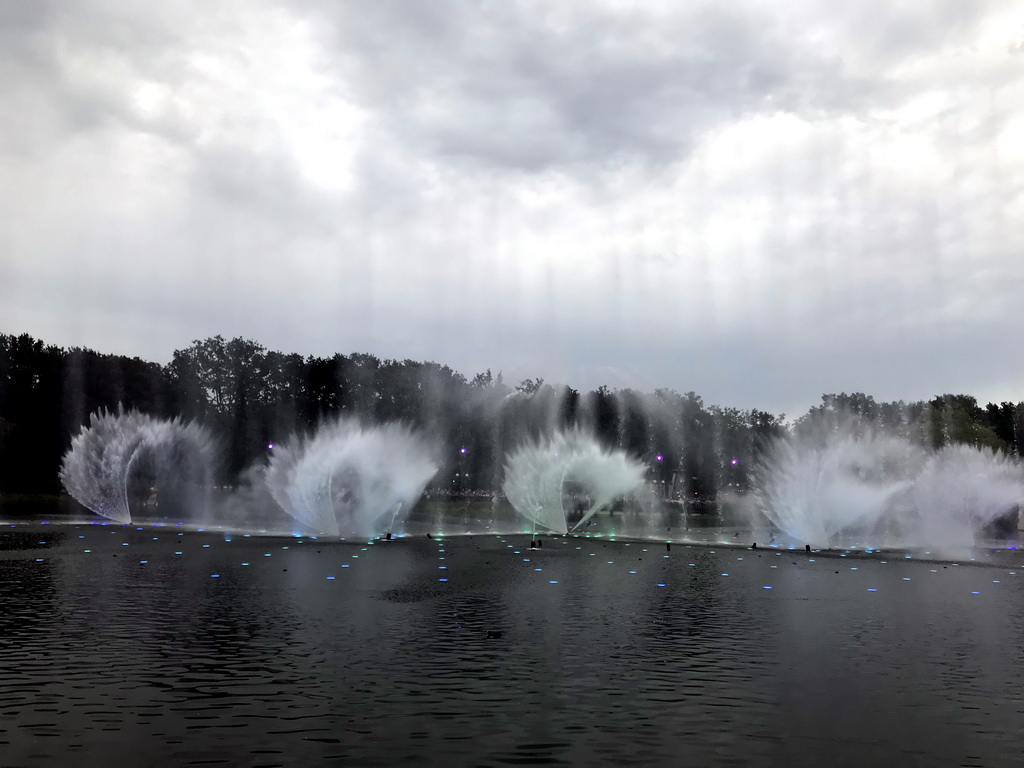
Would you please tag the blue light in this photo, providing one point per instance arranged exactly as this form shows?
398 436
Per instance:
661 585
214 575
442 579
765 587
552 582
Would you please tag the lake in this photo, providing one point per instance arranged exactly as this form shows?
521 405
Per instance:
157 645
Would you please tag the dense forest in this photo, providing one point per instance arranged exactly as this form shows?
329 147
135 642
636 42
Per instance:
250 397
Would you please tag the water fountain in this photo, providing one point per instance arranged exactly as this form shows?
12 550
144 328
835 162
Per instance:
854 484
539 476
117 451
961 494
351 479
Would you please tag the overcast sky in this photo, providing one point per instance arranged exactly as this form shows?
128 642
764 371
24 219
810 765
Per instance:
757 201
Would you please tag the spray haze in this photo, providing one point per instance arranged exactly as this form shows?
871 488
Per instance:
848 481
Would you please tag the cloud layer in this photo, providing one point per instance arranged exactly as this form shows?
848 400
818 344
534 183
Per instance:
760 203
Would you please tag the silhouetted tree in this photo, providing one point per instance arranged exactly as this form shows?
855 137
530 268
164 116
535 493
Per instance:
249 395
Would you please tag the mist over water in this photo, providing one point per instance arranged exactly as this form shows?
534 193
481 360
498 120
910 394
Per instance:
118 458
351 479
832 482
851 483
959 493
539 476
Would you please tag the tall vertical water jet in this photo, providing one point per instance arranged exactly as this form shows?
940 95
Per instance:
539 476
106 456
350 479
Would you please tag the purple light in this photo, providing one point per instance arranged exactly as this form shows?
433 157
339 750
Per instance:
462 450
270 446
659 457
734 462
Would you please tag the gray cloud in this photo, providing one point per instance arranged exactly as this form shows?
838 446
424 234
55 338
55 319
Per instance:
759 203
503 86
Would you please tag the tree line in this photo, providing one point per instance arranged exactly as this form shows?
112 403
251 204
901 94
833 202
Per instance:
252 397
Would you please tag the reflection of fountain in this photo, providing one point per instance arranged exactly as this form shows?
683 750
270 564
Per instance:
114 451
539 476
351 480
854 483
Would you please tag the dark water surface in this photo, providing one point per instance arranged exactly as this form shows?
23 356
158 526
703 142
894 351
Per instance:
156 646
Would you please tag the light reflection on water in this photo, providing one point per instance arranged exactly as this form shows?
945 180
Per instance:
134 653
